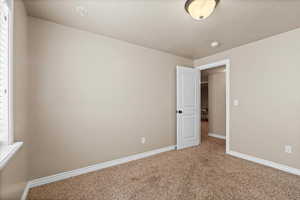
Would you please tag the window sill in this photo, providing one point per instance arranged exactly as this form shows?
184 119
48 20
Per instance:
7 152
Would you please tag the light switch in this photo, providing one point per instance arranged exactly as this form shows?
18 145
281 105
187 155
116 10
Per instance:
288 149
236 102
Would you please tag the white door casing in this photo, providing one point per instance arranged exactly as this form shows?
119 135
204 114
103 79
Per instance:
188 107
225 62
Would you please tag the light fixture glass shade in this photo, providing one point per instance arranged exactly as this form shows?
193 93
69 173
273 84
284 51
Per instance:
200 9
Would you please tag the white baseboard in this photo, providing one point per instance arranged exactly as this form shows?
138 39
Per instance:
76 172
266 162
223 137
25 192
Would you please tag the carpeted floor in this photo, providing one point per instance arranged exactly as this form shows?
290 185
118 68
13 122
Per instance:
199 173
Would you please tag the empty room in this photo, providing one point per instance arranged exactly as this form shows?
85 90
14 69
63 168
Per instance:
149 100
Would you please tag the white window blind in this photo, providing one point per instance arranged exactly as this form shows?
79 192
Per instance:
4 72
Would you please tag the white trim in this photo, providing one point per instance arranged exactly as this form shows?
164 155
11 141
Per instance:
84 170
25 192
225 62
214 64
10 74
223 137
265 162
7 152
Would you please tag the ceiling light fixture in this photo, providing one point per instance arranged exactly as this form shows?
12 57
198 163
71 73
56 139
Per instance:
200 9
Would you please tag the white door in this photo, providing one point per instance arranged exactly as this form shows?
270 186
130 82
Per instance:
188 107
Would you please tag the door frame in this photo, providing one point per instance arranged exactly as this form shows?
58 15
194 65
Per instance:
225 62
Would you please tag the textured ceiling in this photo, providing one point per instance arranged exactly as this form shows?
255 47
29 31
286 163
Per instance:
164 24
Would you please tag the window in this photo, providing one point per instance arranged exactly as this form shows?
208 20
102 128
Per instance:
7 147
4 73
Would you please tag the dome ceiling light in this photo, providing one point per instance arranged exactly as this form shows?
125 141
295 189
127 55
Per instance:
200 9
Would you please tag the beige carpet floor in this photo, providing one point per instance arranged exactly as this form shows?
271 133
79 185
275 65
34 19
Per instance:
199 173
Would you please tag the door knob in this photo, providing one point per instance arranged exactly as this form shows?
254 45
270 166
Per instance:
179 111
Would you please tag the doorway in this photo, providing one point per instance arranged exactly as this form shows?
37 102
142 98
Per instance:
188 106
213 105
215 116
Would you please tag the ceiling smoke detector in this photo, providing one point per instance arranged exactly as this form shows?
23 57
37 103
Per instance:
200 9
82 11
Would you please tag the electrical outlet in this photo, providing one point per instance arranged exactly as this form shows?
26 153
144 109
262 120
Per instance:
288 149
143 140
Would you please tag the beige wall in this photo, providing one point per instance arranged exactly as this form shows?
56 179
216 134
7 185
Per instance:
265 79
93 98
13 177
81 116
217 103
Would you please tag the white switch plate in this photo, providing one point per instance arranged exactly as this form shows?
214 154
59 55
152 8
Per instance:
288 149
236 102
143 140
